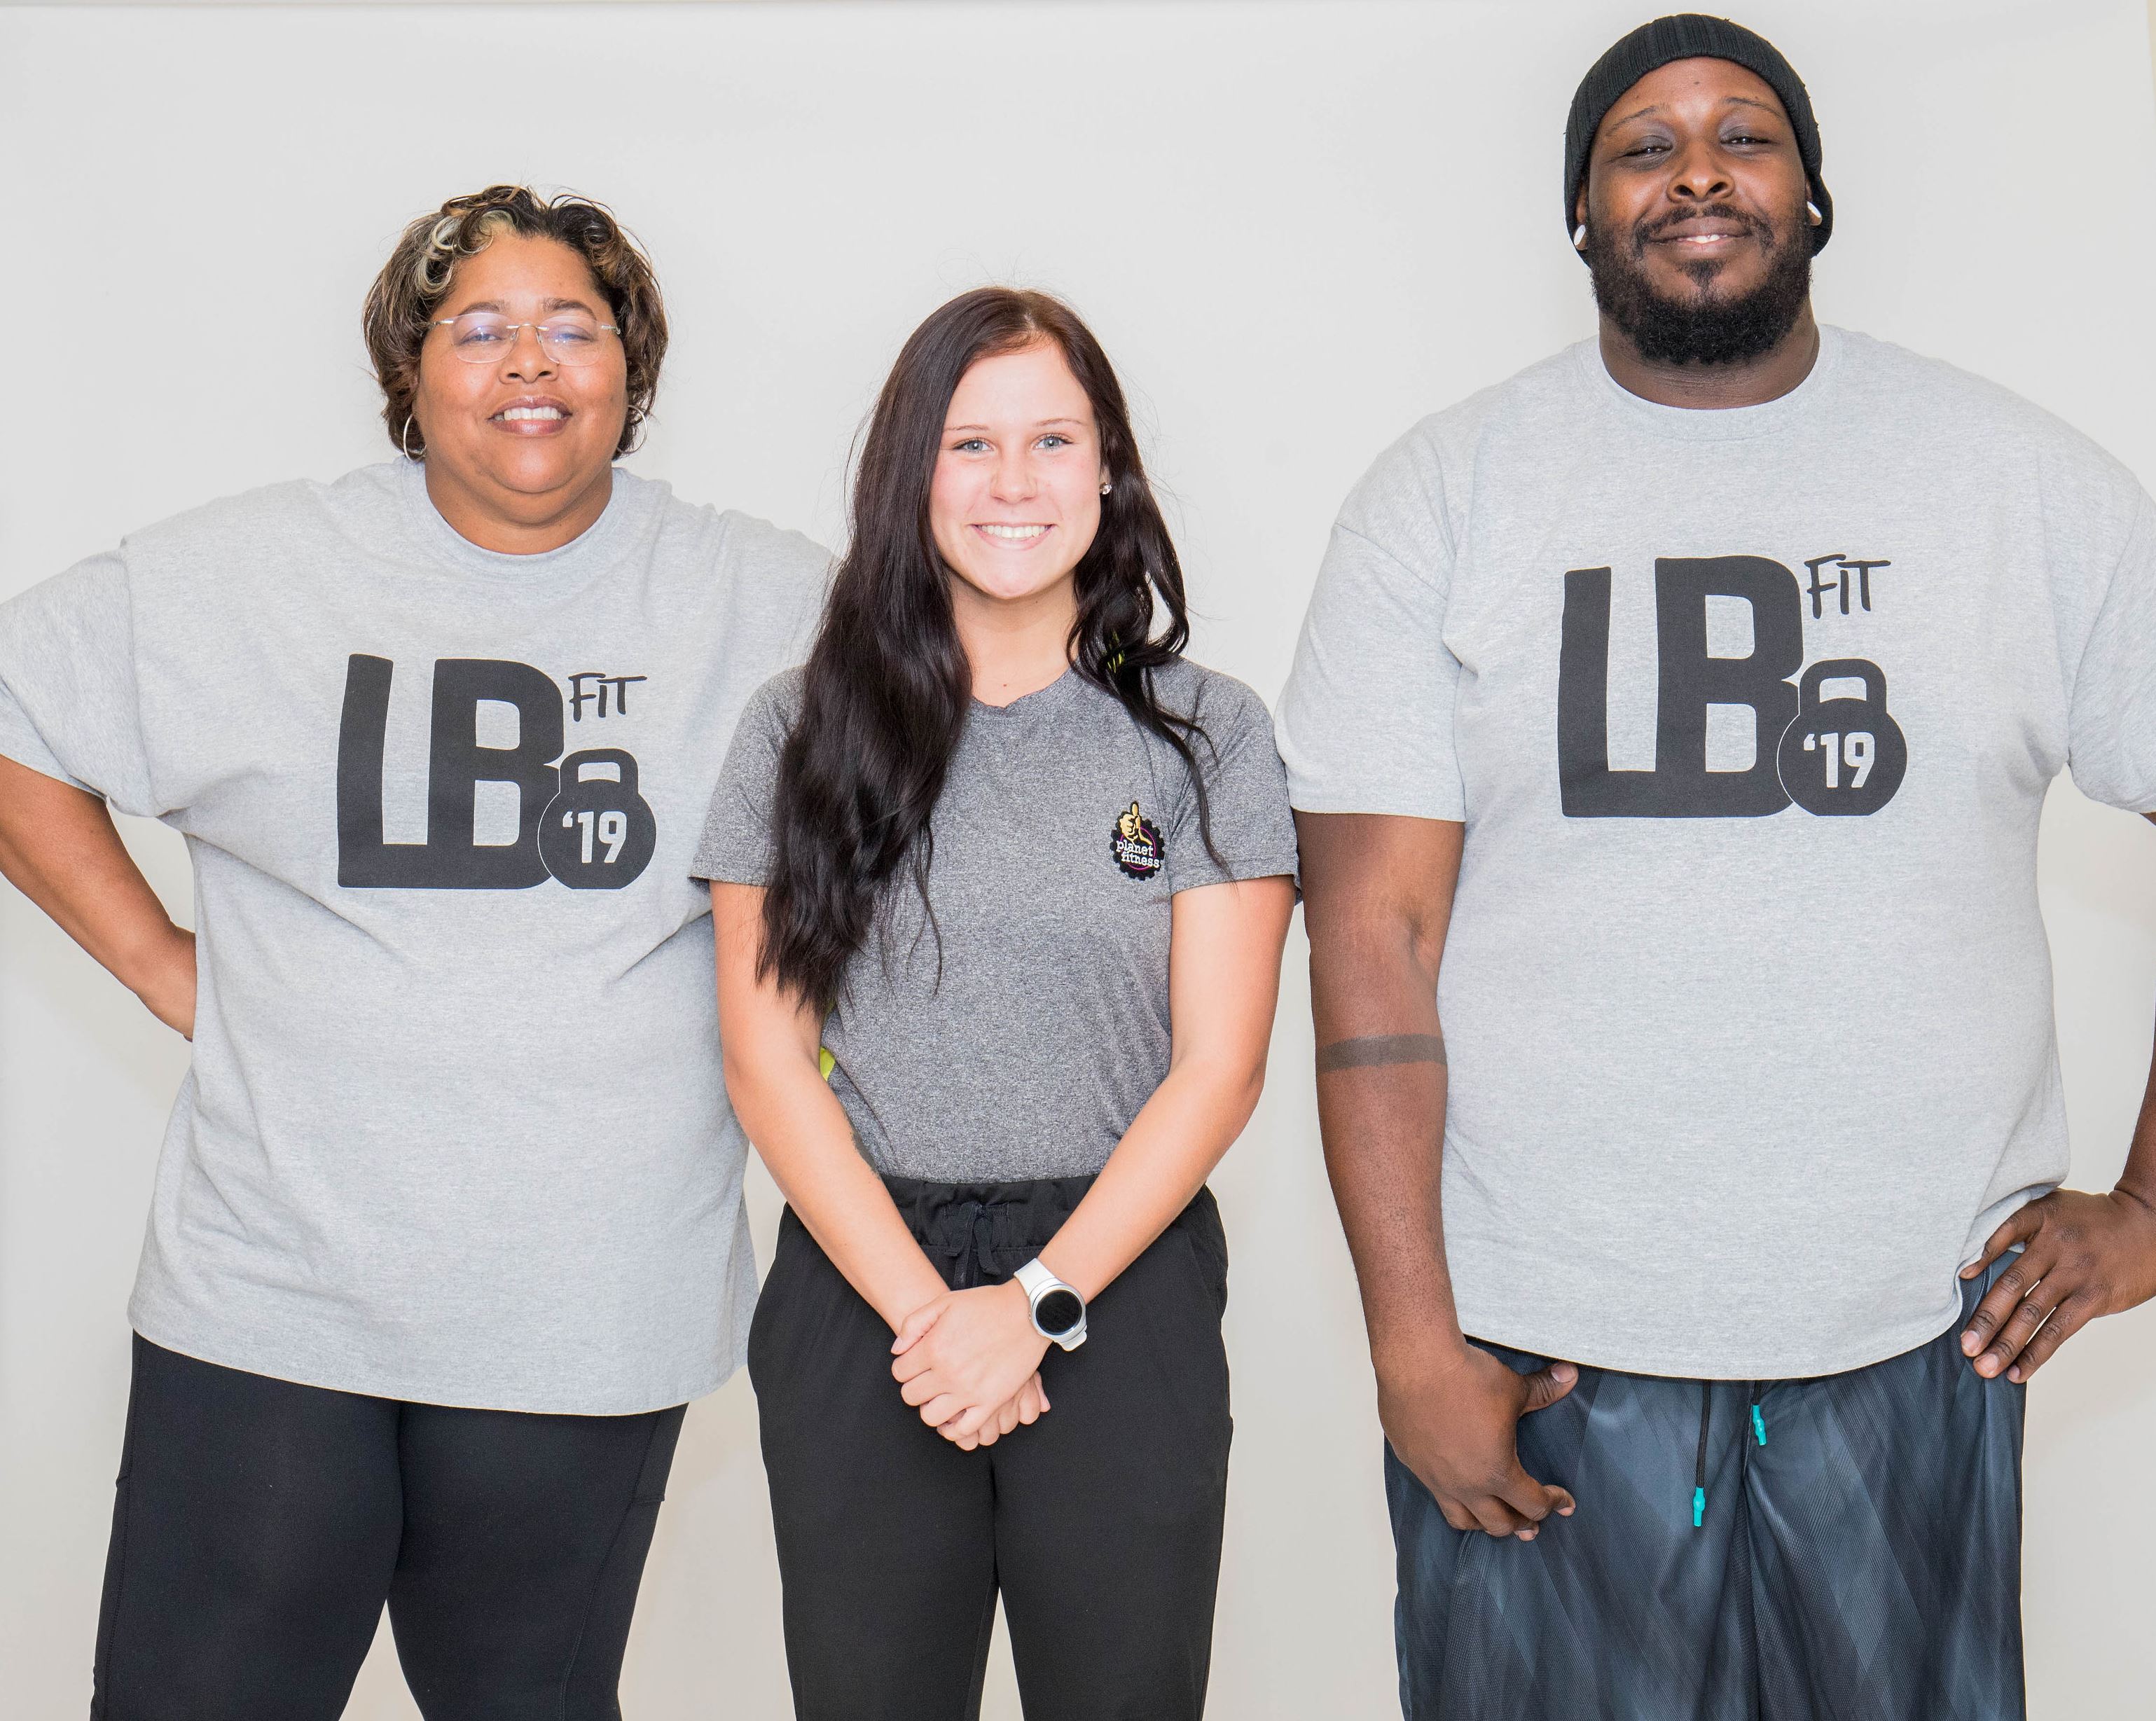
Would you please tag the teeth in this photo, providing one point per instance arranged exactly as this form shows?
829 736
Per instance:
1020 532
513 414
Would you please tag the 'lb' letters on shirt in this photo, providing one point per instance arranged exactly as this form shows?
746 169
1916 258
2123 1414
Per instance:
575 822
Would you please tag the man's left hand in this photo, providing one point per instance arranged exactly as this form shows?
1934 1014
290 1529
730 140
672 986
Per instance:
2083 1255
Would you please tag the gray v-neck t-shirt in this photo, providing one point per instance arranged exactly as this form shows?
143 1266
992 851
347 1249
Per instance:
1024 1040
454 1129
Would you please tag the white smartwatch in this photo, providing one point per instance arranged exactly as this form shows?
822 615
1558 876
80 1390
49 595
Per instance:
1059 1312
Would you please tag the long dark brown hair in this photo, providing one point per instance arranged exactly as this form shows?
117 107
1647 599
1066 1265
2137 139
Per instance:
887 684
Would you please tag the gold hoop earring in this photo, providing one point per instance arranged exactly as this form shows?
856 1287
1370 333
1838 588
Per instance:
404 438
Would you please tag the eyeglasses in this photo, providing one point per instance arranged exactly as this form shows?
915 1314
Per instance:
486 338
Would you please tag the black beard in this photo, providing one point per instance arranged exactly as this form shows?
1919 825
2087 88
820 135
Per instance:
1706 330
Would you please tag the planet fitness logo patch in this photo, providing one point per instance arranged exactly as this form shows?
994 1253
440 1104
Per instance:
1136 843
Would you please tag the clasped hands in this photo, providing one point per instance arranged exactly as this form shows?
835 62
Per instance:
969 1361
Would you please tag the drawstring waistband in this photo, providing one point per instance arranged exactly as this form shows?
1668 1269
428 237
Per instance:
965 1250
1706 1424
980 1233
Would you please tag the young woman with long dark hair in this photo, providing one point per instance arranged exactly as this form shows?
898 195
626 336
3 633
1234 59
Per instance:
1014 875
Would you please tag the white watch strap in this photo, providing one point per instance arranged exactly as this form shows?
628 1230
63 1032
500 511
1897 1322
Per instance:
1034 1279
1037 1281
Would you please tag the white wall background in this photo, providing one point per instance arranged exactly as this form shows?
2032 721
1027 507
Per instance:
1297 228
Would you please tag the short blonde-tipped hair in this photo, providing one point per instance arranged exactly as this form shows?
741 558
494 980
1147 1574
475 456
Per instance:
401 303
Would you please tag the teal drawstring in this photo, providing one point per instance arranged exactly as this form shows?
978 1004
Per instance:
1699 1465
1699 1471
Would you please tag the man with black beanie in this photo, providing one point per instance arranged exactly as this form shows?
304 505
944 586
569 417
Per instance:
1670 723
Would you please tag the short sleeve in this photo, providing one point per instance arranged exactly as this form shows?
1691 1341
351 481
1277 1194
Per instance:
1366 721
68 707
2111 734
1246 795
736 848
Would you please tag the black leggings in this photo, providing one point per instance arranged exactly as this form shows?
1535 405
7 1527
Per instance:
1100 1524
260 1526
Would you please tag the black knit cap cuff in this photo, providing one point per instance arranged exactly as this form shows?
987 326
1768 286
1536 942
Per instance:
1690 35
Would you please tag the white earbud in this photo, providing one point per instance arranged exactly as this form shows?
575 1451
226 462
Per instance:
1579 237
1816 217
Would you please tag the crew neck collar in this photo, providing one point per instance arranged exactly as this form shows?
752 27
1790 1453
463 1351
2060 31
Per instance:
1051 698
588 552
1729 423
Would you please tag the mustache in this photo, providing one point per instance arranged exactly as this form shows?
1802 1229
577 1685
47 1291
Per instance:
1760 229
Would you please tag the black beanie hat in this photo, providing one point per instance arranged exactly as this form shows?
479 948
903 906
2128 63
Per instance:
1690 35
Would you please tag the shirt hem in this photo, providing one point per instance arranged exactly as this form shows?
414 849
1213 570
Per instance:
416 1390
32 755
1320 801
723 872
1239 872
1677 1365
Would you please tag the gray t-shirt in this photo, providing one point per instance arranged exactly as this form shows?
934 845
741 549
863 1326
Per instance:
454 1129
1022 1042
1750 715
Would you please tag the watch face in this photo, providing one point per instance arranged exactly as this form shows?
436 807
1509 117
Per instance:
1059 1312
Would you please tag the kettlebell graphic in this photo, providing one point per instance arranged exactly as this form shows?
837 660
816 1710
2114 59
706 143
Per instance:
598 833
1842 755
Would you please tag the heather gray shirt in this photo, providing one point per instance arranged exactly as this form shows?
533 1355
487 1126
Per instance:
1025 1045
1750 717
454 1129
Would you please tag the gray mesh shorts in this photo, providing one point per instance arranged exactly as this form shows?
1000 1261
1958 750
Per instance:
1846 1548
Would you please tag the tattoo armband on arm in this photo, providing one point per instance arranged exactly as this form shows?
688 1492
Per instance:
1372 1049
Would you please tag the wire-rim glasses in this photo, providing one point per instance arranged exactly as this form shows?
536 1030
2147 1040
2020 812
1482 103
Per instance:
487 337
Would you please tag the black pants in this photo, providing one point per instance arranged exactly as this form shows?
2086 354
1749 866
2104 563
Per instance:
1100 1524
261 1525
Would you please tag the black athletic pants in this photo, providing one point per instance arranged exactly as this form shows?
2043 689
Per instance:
1100 1524
261 1525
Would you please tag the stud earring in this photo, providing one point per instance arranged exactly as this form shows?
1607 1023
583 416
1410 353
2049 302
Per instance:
1106 487
1816 217
1579 237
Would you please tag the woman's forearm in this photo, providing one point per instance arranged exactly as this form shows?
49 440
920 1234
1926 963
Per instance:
58 847
806 1140
1224 985
1161 1162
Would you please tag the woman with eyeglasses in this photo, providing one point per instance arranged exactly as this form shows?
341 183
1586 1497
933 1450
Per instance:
1016 873
448 1226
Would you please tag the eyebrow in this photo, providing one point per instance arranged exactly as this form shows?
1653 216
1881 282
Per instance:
1751 101
545 304
953 430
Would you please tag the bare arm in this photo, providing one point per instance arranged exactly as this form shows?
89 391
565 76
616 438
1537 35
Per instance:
1378 895
58 847
1224 985
771 1042
806 1140
2083 1255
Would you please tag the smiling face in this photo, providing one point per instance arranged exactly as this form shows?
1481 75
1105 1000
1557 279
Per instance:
519 436
1698 235
1015 499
